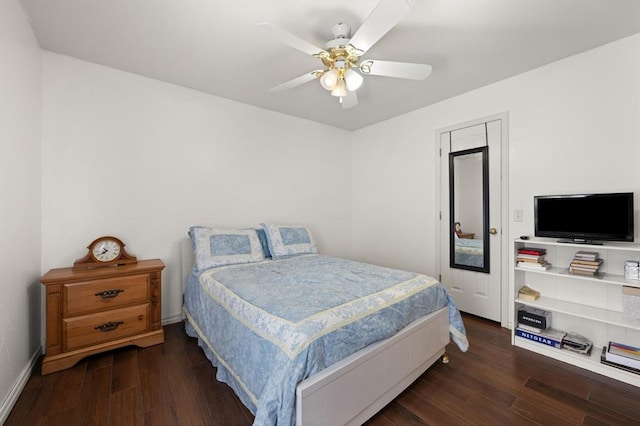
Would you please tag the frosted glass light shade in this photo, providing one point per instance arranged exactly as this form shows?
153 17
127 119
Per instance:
353 79
340 89
329 79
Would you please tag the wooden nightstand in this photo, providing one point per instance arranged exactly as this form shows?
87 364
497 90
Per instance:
95 310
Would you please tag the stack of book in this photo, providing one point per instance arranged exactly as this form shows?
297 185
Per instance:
585 263
621 356
532 258
527 293
535 325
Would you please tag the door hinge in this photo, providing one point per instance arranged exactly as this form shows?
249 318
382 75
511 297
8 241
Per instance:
440 215
440 277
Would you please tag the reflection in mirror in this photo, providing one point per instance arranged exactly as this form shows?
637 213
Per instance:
469 209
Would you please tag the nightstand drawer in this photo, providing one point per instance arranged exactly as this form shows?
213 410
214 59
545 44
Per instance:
92 296
102 327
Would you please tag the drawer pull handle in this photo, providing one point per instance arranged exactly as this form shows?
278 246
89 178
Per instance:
109 294
109 326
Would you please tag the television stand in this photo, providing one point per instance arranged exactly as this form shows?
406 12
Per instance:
580 241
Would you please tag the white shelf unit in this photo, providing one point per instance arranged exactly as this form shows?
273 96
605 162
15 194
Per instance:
587 305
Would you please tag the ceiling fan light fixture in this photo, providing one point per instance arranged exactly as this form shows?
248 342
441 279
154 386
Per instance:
340 89
329 79
343 72
353 80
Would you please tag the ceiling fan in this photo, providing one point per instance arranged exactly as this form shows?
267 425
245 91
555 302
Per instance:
342 56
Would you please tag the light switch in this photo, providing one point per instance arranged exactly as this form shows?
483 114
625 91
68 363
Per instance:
517 215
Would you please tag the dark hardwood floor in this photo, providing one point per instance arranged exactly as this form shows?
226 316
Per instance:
174 384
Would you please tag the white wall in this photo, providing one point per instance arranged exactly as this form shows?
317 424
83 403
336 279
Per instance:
143 160
19 201
574 126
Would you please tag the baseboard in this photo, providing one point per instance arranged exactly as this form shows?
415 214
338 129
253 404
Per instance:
12 398
172 319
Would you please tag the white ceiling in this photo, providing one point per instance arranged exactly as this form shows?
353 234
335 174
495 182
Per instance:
214 46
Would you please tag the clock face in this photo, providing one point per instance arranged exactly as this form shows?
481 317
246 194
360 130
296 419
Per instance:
106 250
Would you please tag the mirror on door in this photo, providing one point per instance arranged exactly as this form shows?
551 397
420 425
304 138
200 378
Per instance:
469 209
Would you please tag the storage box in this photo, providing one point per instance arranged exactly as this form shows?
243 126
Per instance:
534 317
632 270
631 304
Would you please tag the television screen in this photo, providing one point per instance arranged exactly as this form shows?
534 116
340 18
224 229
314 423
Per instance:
585 217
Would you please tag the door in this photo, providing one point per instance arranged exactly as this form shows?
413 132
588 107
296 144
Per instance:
471 216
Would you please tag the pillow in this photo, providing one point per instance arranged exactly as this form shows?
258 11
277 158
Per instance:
216 247
287 240
262 235
192 236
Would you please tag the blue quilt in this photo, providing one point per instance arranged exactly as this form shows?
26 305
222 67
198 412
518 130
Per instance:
267 326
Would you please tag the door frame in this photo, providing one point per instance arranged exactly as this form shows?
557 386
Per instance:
504 213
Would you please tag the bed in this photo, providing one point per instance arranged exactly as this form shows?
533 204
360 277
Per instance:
306 338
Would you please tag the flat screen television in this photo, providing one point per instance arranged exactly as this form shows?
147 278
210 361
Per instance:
585 218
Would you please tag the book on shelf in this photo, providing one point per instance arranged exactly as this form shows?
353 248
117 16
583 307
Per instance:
585 263
531 256
584 267
624 350
547 337
603 360
526 327
631 290
586 255
527 293
533 259
532 251
621 359
595 263
534 266
575 271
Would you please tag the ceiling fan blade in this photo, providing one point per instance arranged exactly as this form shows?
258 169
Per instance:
384 17
289 39
350 100
296 81
395 69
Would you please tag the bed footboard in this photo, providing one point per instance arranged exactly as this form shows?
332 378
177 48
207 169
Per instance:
354 389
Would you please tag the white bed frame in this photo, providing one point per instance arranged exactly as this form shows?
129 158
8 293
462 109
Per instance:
354 389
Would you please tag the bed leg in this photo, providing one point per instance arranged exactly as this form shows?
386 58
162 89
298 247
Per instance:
445 359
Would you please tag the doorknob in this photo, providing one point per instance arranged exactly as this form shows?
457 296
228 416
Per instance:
493 231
